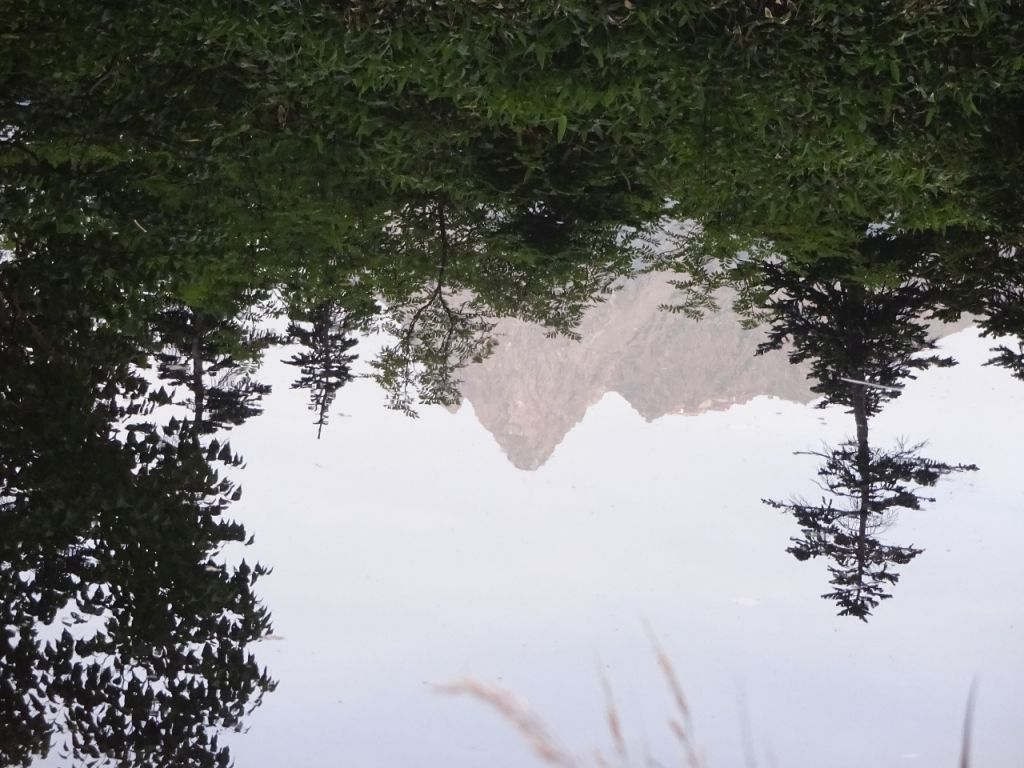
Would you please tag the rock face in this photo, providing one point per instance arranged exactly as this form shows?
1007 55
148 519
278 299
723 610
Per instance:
533 389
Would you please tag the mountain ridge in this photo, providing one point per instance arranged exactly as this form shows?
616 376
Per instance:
533 389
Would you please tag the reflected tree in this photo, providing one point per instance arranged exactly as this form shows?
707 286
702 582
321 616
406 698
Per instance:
858 318
151 661
866 488
327 334
986 279
215 359
439 327
126 632
461 264
127 640
861 323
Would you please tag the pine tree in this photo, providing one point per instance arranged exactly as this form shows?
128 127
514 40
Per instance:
851 325
866 488
863 335
325 365
215 359
111 522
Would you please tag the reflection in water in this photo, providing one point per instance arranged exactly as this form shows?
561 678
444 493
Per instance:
862 342
213 359
325 333
432 171
534 390
126 634
865 490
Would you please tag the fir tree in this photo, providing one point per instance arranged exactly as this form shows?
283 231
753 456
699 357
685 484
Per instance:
866 487
111 523
862 325
325 365
215 359
853 325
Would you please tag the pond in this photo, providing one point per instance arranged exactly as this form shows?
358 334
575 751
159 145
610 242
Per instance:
412 554
481 383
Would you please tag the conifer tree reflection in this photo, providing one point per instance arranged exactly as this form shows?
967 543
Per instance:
326 333
849 323
1002 304
987 280
866 488
215 358
862 341
125 636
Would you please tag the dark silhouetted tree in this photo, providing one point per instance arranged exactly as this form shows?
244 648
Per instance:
986 279
126 635
852 325
325 364
865 489
862 325
215 359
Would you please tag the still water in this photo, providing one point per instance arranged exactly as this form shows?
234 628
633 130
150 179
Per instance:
370 367
409 554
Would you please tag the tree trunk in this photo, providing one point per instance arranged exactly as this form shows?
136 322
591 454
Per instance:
198 385
860 415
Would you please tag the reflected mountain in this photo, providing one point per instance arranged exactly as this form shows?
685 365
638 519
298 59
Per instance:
468 179
534 389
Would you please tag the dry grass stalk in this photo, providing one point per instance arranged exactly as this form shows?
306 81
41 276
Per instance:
680 728
965 746
614 724
530 726
537 735
670 677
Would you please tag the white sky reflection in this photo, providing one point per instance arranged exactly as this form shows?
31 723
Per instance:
411 552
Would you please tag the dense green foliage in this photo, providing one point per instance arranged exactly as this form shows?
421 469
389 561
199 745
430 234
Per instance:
289 126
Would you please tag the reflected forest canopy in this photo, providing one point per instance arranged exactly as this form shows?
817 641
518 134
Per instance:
183 190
